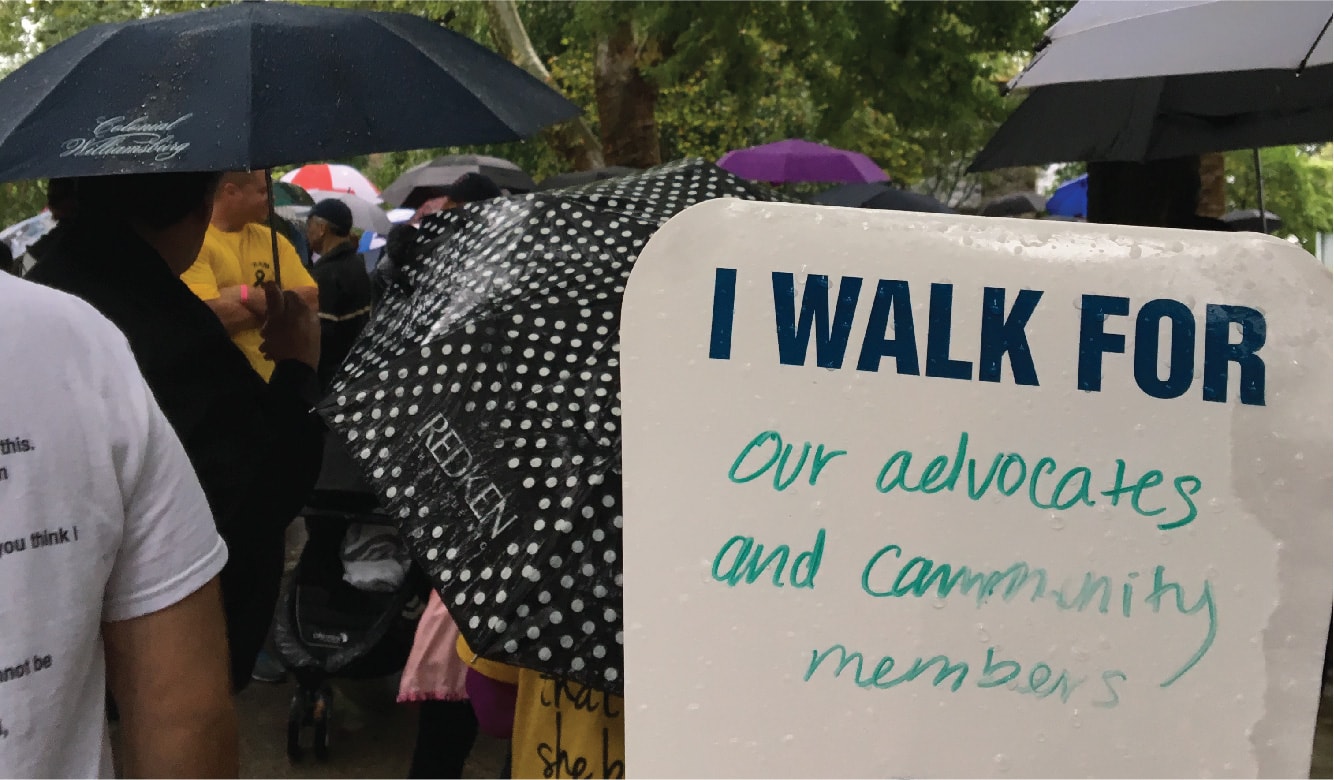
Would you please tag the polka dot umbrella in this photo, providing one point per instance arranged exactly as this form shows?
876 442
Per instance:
484 406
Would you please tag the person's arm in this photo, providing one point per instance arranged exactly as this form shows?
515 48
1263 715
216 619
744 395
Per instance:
309 296
226 302
235 313
292 434
162 627
168 672
295 276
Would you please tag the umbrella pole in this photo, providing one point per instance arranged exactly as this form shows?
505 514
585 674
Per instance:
273 228
1260 191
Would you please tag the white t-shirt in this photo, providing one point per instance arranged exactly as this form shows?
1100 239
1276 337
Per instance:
101 519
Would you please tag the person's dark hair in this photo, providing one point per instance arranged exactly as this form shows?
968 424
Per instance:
155 200
60 197
401 245
472 187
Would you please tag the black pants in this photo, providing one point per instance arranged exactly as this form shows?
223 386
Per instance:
446 731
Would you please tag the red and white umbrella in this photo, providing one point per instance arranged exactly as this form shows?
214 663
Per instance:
333 178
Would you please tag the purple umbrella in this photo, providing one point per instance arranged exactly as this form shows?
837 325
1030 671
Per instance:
798 160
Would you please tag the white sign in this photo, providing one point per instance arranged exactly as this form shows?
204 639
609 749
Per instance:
915 495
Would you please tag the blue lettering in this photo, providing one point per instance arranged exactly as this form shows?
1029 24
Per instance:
1181 359
794 333
1093 341
724 308
1218 352
890 296
1003 333
938 361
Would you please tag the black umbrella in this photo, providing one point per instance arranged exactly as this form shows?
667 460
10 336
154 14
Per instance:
1014 204
484 407
420 183
877 195
1253 220
580 178
217 89
1136 120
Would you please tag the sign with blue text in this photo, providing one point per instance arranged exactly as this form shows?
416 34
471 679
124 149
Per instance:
915 495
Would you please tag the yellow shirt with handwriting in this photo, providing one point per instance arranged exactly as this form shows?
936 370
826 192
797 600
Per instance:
245 256
561 728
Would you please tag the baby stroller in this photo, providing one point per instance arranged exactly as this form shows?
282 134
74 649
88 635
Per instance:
350 607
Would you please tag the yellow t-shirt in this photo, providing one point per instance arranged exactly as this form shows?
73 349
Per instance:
561 728
229 259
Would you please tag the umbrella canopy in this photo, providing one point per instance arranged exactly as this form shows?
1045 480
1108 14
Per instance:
1253 221
1138 120
796 160
880 196
1071 199
216 89
334 178
580 178
22 235
366 216
1175 88
288 194
421 183
484 407
1179 37
1014 204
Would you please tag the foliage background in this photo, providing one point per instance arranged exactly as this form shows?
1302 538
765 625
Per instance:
914 85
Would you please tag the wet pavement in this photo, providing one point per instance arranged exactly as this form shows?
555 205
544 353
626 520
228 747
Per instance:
373 736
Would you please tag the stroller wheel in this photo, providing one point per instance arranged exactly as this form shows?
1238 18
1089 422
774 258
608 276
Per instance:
320 718
296 716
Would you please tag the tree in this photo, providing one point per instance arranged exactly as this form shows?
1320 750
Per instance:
914 85
574 140
1298 188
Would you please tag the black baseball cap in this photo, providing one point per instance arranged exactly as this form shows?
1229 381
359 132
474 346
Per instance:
335 212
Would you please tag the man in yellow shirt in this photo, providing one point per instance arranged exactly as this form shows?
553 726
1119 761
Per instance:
237 257
559 728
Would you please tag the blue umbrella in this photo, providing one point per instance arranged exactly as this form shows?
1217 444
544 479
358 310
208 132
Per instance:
1070 199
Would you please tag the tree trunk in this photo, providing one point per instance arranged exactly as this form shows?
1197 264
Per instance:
626 102
575 141
1213 186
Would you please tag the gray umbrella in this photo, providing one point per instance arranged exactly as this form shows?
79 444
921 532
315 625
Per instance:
366 216
1253 220
422 182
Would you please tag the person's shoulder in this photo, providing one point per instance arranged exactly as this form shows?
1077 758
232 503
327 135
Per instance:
57 319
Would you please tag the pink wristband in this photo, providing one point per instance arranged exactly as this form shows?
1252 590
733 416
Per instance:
245 293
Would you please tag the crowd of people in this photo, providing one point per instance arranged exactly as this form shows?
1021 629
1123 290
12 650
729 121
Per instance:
170 366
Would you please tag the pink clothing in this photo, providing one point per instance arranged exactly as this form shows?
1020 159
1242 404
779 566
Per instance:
434 671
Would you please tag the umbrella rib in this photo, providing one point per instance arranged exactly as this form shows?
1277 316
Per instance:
1323 31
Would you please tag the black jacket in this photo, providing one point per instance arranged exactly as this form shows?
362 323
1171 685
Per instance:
345 305
255 447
